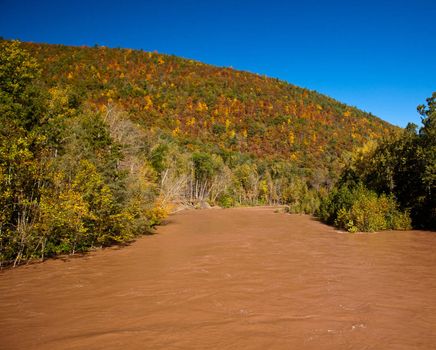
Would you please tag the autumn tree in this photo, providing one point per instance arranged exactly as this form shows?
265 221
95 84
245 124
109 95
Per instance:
21 145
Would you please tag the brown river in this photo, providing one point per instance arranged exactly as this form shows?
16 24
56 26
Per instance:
230 279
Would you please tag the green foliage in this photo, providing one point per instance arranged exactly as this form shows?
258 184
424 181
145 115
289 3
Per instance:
360 209
17 68
403 166
426 153
159 157
300 198
21 145
206 165
20 109
62 187
338 199
226 201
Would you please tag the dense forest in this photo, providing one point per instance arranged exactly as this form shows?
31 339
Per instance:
98 145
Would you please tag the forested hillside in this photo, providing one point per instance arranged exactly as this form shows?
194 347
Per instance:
97 145
201 104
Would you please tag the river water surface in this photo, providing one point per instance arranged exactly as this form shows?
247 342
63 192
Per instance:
230 279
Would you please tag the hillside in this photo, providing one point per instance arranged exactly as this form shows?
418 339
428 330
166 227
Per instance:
202 104
98 145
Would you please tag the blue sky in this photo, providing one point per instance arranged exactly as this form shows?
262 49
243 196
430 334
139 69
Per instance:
377 55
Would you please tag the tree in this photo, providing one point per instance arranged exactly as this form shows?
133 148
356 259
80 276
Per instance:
21 147
402 167
427 156
19 107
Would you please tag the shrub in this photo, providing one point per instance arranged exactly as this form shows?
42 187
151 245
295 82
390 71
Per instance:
330 206
226 201
360 209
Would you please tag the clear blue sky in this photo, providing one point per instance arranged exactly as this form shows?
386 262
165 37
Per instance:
377 55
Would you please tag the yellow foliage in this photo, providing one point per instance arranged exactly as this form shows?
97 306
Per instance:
57 97
58 104
148 102
176 131
201 107
190 121
263 189
65 210
70 75
111 93
228 123
362 152
291 137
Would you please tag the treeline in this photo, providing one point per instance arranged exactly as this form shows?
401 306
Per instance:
389 185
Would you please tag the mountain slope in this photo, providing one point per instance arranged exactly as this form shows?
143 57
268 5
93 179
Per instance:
200 103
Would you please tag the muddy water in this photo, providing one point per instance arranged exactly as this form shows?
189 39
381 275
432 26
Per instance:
230 279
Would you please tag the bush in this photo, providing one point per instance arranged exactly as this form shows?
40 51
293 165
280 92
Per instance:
330 205
226 201
307 203
360 209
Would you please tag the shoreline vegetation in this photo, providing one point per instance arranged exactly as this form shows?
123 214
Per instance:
96 146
